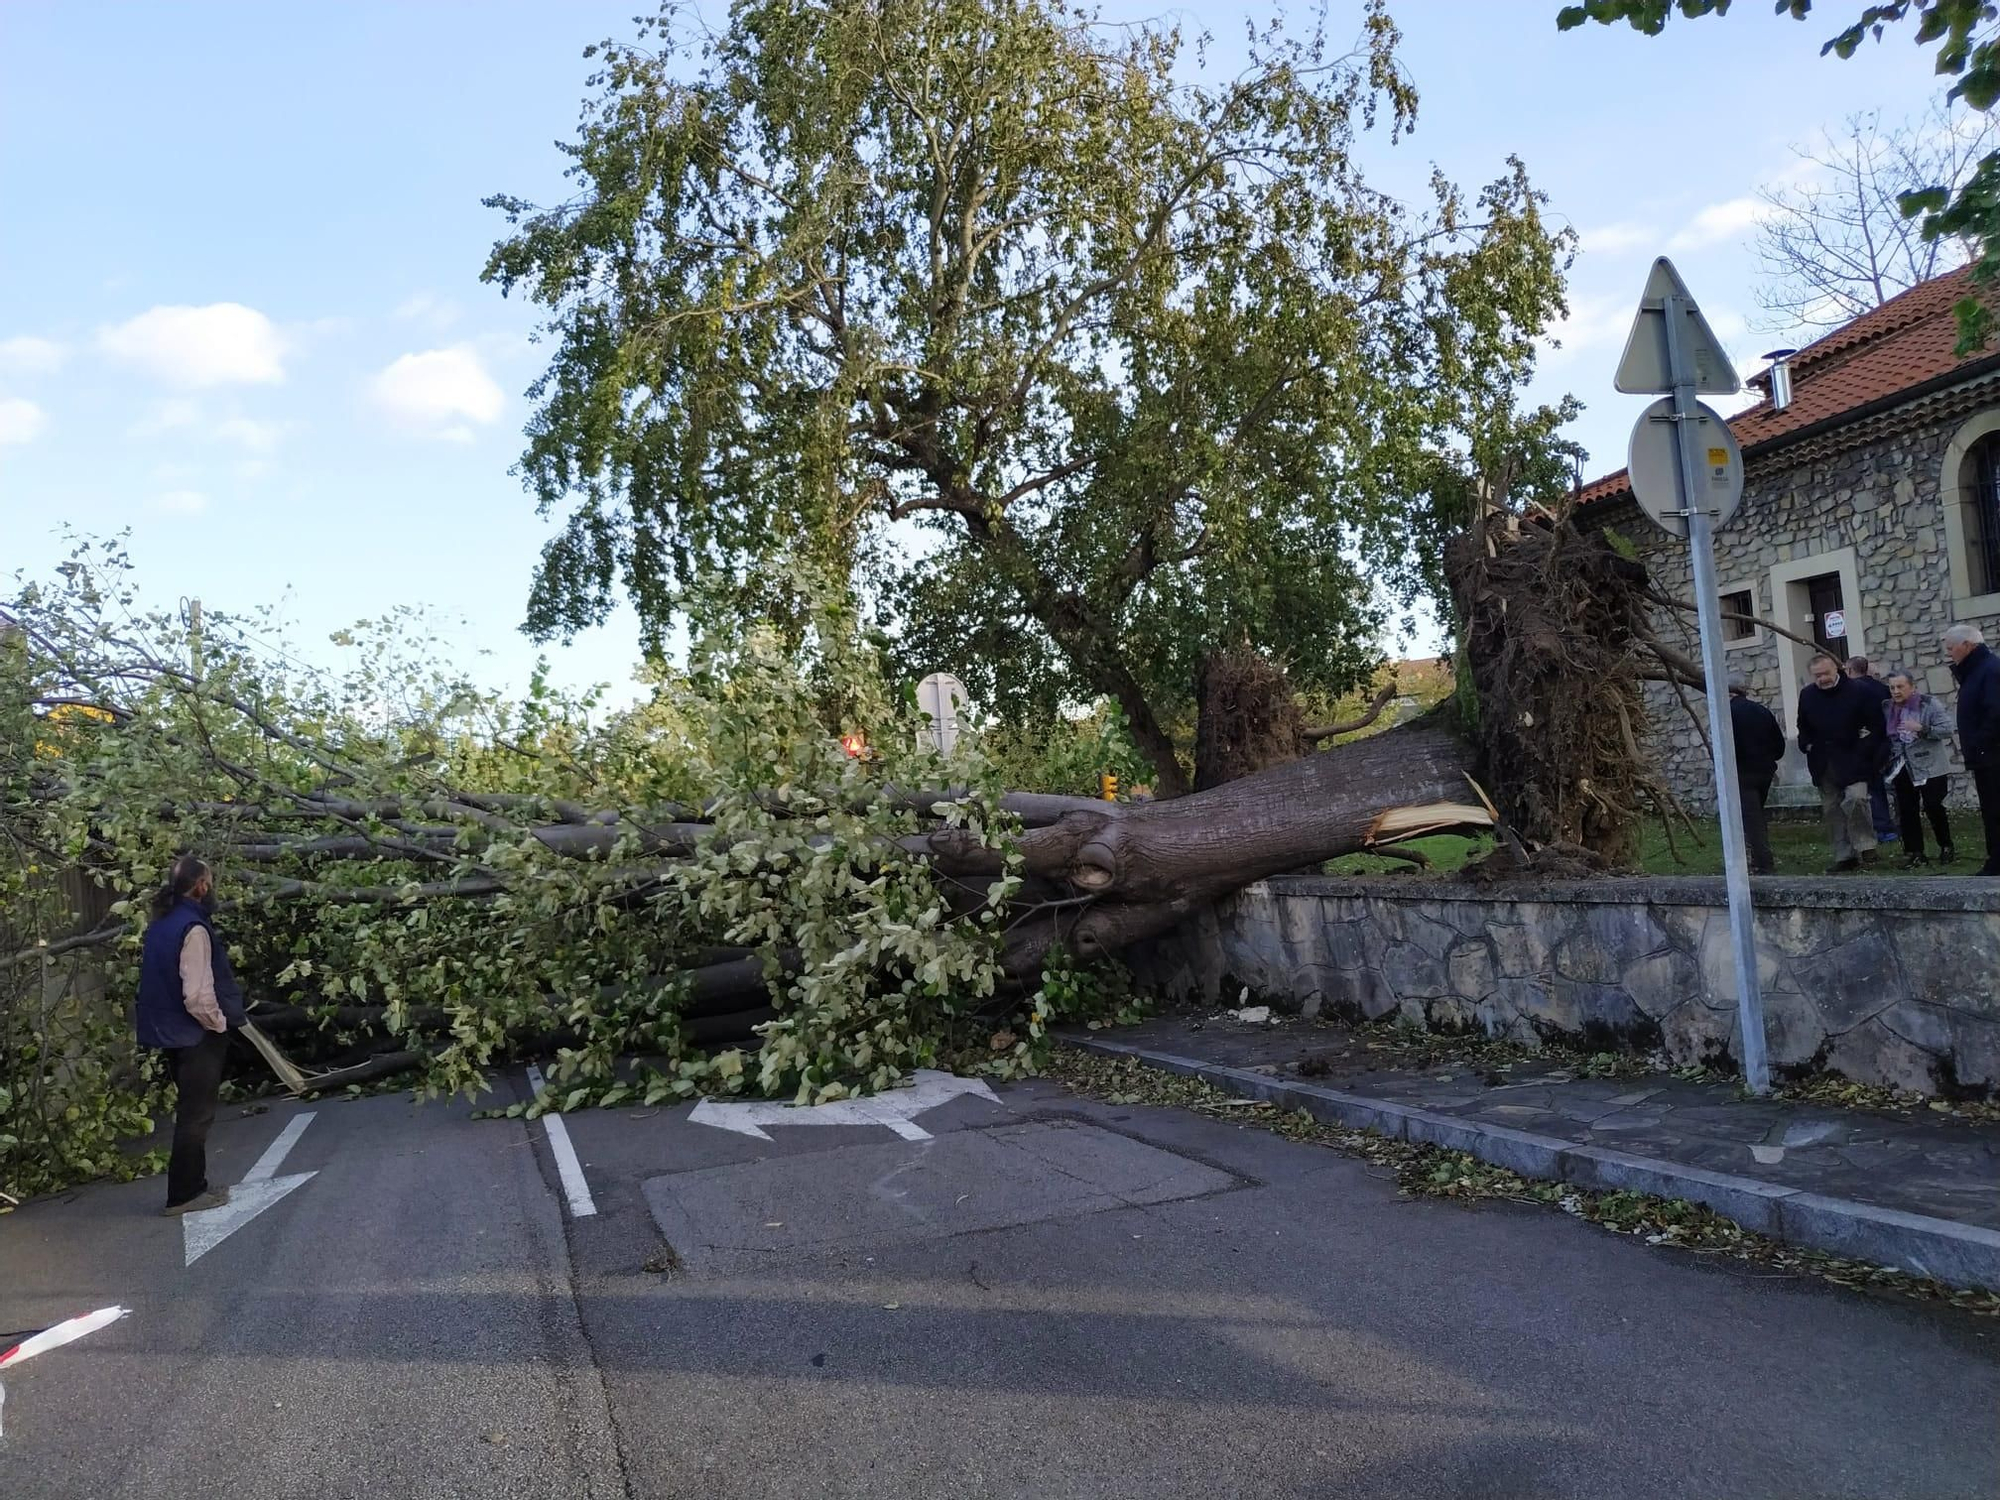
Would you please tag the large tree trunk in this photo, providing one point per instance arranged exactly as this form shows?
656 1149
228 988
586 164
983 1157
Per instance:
1138 868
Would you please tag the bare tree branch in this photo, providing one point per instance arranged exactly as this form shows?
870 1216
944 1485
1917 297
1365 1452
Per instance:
1349 726
1834 240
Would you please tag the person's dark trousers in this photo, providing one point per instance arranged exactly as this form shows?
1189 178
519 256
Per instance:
1878 809
1986 779
197 1073
1914 803
1756 827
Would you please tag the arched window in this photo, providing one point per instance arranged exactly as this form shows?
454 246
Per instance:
1979 513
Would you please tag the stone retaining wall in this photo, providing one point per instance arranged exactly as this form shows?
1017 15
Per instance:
1891 982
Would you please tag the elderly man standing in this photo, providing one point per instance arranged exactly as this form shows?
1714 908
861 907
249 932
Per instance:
1978 672
1843 736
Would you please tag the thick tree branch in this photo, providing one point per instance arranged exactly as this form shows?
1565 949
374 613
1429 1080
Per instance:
1350 726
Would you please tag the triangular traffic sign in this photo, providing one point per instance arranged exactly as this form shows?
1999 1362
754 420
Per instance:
1643 369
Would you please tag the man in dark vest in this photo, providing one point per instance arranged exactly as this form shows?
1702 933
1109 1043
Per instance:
1760 745
188 1000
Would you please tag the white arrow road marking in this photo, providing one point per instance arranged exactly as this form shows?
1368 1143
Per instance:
259 1189
275 1153
893 1109
568 1168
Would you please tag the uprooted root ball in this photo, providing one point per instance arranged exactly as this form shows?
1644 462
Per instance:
1557 641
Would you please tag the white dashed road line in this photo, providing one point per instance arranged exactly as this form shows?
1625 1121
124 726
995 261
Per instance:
568 1168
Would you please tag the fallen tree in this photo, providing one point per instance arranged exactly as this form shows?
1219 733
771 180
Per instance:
461 880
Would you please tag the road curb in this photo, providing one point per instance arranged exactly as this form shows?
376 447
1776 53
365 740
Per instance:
1964 1255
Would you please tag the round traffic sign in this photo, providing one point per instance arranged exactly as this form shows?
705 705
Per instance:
1653 464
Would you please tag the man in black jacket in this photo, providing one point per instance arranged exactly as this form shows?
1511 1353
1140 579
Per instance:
1978 672
1760 745
1843 735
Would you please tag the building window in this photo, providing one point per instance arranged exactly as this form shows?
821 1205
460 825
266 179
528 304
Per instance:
1734 606
1979 514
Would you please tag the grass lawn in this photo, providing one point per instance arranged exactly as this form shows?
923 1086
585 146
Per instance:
1800 846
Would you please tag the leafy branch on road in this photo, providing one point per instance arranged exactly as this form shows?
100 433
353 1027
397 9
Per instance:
705 893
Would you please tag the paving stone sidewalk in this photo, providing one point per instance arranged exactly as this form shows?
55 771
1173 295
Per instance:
1915 1162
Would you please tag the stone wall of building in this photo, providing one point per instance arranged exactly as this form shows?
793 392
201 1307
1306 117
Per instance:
1884 500
1880 981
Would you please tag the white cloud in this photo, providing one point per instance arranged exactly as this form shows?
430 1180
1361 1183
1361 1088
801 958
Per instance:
25 354
1800 172
1727 324
1609 239
178 414
181 503
1592 323
21 421
224 343
250 434
1719 222
171 415
438 392
439 312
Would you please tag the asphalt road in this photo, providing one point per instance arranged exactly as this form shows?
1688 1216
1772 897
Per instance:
1046 1297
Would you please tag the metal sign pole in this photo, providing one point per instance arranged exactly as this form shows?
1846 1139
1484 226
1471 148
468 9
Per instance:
1722 739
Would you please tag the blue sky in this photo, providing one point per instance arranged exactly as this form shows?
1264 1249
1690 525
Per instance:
240 243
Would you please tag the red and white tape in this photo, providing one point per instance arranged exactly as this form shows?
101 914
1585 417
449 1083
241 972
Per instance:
65 1332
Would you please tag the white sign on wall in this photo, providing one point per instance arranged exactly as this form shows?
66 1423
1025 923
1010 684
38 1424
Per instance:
1835 624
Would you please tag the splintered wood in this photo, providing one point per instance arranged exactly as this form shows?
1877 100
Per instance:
1401 823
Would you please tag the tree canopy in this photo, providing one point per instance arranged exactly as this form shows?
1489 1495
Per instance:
1087 360
1968 49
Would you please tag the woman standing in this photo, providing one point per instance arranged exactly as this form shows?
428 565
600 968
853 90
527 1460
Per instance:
188 1000
1919 757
